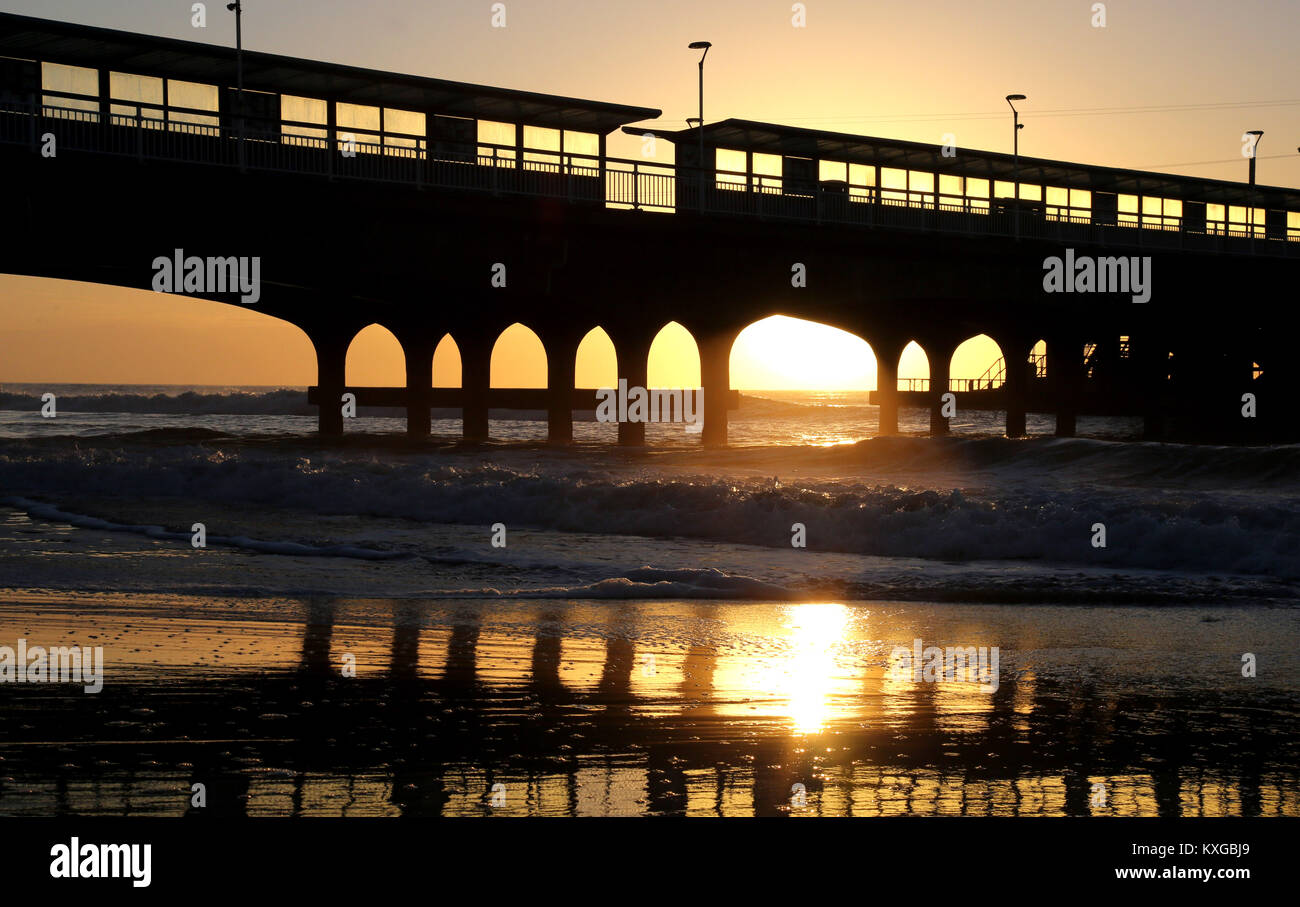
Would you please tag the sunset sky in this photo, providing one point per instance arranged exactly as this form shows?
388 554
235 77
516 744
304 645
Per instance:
1165 86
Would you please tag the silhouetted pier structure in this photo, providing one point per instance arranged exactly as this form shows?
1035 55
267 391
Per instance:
439 208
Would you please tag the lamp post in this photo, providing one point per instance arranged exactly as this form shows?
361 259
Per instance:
1254 153
1015 152
704 46
238 8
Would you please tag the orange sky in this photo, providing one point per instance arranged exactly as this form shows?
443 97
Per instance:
1167 84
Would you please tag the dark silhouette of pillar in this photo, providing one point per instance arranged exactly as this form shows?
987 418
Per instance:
561 365
419 385
940 359
331 379
475 380
1148 381
1016 389
715 376
633 351
1065 377
887 387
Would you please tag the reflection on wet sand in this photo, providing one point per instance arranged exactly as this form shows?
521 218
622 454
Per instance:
388 708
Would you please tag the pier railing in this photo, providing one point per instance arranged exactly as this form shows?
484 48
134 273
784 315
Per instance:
83 124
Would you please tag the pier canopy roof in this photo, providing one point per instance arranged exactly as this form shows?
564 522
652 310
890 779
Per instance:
28 38
793 141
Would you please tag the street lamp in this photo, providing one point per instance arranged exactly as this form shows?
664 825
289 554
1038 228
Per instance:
1254 153
704 46
1015 150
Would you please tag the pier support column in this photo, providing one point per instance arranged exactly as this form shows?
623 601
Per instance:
1016 388
1065 375
561 364
887 388
633 364
940 368
331 378
1151 369
715 376
475 380
419 386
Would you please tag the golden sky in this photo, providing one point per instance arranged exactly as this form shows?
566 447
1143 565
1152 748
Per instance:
1166 85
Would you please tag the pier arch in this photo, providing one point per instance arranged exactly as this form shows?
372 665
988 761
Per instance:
375 358
673 359
518 358
446 363
596 361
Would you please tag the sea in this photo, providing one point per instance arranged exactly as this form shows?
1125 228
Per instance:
373 626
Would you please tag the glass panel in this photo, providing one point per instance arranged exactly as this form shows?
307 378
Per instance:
891 182
294 109
767 172
586 144
361 122
730 164
73 79
1128 206
403 128
832 170
196 96
542 147
491 136
862 175
147 91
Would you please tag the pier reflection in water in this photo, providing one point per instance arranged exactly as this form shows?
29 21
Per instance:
563 708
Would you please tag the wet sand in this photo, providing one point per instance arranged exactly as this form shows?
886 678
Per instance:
629 708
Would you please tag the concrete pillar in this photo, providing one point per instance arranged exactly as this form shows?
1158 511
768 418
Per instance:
561 363
475 380
1152 367
633 364
419 385
331 376
940 360
887 389
1016 388
715 377
1065 376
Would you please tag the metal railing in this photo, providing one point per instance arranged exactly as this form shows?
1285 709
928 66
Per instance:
151 132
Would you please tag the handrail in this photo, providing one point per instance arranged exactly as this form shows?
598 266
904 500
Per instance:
472 165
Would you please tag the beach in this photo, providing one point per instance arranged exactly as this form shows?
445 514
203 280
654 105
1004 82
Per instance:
645 639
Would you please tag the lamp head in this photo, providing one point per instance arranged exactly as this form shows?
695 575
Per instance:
700 45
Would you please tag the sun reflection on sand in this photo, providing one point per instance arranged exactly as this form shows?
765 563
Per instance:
804 674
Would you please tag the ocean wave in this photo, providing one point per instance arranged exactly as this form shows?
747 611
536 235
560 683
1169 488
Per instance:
297 549
282 402
646 583
1163 506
